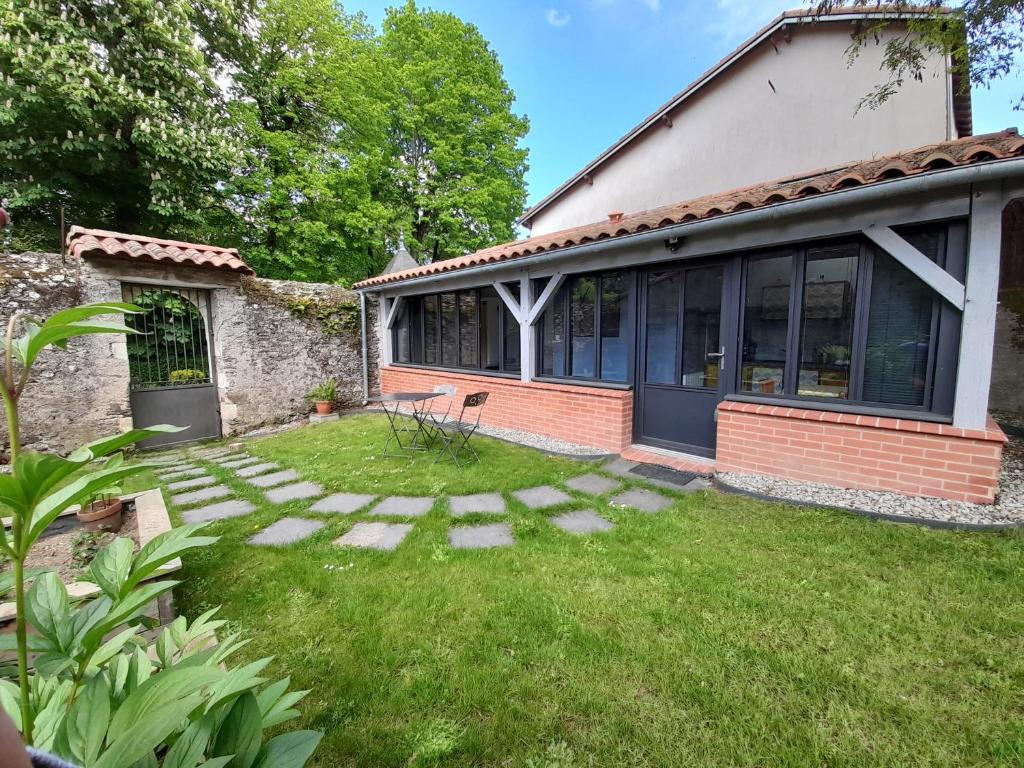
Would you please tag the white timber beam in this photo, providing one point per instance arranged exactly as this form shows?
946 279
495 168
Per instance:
527 333
383 332
934 276
978 327
510 301
393 310
545 297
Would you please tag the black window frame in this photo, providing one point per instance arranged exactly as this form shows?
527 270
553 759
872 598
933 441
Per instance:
943 343
415 316
564 295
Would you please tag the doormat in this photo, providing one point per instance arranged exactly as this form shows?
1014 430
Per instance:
664 474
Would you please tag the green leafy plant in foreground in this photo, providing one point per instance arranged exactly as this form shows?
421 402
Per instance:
98 693
326 391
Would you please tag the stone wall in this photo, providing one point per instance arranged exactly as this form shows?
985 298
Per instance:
272 340
1007 393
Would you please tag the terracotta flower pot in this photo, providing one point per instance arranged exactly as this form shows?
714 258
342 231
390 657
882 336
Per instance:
323 407
103 515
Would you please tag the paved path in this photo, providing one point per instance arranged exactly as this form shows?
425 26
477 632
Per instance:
204 498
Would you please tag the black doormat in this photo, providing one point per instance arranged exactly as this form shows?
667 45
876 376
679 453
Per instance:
664 474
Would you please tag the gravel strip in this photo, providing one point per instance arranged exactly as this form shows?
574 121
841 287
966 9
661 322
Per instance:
1008 509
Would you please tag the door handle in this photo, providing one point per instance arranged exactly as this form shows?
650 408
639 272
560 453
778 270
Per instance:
719 356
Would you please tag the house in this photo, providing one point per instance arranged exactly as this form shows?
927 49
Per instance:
758 278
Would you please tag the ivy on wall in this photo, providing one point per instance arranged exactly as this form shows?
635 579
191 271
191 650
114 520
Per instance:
336 317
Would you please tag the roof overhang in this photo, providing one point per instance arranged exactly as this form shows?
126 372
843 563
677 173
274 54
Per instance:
85 243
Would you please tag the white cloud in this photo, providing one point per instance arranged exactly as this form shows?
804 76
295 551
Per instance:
738 19
556 18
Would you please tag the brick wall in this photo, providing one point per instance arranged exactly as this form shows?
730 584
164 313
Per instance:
912 457
593 416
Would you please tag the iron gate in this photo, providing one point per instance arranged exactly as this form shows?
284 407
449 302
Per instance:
171 363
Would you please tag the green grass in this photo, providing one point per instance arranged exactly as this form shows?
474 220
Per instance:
723 631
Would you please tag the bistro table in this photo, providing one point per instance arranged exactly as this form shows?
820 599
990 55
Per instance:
408 428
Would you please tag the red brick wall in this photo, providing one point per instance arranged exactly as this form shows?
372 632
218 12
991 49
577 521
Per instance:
913 457
594 416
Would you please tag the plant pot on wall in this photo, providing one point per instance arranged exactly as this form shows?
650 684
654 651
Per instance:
323 407
102 515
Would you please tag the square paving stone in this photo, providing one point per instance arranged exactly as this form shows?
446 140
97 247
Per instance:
489 503
212 453
195 482
403 506
642 499
203 494
274 478
189 471
542 496
595 485
342 503
292 492
581 521
256 469
221 461
481 536
236 463
375 535
287 530
219 511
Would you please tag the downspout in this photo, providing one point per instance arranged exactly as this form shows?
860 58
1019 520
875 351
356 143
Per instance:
366 353
882 191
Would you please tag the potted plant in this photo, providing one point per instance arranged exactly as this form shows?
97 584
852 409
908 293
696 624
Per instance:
322 395
101 510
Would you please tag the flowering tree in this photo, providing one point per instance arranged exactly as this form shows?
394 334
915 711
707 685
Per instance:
110 109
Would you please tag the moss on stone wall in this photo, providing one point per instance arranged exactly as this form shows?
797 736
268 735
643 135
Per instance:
334 311
1013 300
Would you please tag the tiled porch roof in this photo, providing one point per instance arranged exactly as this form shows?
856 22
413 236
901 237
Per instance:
933 157
98 242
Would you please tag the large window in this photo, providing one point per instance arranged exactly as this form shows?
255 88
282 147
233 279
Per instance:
847 322
458 329
585 331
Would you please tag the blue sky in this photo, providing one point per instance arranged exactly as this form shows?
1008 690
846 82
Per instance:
586 71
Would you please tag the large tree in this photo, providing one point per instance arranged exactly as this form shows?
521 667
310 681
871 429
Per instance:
982 39
111 110
306 95
457 164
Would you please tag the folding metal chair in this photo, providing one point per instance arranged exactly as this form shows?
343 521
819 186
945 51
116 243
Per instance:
454 435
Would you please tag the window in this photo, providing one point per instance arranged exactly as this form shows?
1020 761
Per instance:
585 330
848 322
662 327
470 329
702 324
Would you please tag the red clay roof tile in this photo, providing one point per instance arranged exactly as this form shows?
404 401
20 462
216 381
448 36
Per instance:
966 151
99 242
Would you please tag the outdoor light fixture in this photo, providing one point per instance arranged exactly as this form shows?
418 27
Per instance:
674 243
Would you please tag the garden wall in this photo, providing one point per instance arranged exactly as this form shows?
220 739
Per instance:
273 340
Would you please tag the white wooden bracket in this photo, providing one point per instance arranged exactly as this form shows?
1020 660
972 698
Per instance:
510 301
396 305
934 276
545 297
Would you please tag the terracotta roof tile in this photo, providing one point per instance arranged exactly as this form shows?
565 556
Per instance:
98 242
972 149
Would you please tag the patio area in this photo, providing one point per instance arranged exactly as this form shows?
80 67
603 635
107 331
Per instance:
533 610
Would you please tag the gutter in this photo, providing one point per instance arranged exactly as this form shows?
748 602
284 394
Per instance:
363 338
930 181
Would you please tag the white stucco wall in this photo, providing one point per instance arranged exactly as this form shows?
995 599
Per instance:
737 131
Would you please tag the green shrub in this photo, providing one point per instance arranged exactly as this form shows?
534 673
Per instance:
325 391
188 376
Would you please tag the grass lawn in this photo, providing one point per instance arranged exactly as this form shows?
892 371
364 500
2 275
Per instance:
722 631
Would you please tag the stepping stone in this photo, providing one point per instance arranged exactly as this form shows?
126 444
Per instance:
595 485
219 511
177 474
287 530
203 494
292 492
256 469
167 465
481 536
274 478
489 503
581 521
541 497
642 499
212 453
385 536
403 506
342 503
230 457
240 462
195 482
